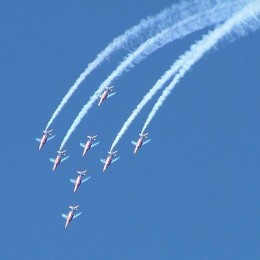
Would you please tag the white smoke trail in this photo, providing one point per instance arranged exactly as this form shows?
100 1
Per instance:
192 23
153 24
245 19
159 84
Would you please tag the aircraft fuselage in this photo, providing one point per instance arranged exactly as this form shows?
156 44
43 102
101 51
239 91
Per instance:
43 141
87 147
57 162
108 162
138 144
103 96
69 218
77 183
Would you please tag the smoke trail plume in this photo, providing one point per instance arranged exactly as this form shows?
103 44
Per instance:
145 29
159 84
239 24
188 25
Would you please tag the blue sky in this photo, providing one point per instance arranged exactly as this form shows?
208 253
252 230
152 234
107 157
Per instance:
191 193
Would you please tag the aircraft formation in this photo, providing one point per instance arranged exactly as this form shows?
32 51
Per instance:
233 17
90 143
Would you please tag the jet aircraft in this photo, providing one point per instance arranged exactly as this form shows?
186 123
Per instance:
140 142
79 179
109 159
45 138
106 94
89 144
70 216
59 159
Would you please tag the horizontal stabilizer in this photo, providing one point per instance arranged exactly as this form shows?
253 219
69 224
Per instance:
112 94
113 153
84 180
64 215
92 137
65 158
94 144
114 160
72 181
38 139
77 215
103 161
82 145
52 160
82 172
133 143
147 141
47 131
62 152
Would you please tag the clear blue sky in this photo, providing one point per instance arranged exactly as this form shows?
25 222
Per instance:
191 193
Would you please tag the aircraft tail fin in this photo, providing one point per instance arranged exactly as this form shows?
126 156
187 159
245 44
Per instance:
112 153
144 135
82 172
92 137
74 207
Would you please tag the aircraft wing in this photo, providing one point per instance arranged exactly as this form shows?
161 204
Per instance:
77 215
86 179
72 181
65 158
38 139
52 160
114 160
112 94
94 144
133 143
82 145
147 141
64 215
48 139
103 161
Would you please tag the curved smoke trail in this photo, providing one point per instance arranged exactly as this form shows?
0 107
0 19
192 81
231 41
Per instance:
153 24
148 96
240 24
192 23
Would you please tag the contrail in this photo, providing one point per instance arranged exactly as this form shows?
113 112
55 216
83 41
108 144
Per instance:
148 96
159 84
146 28
192 23
245 19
